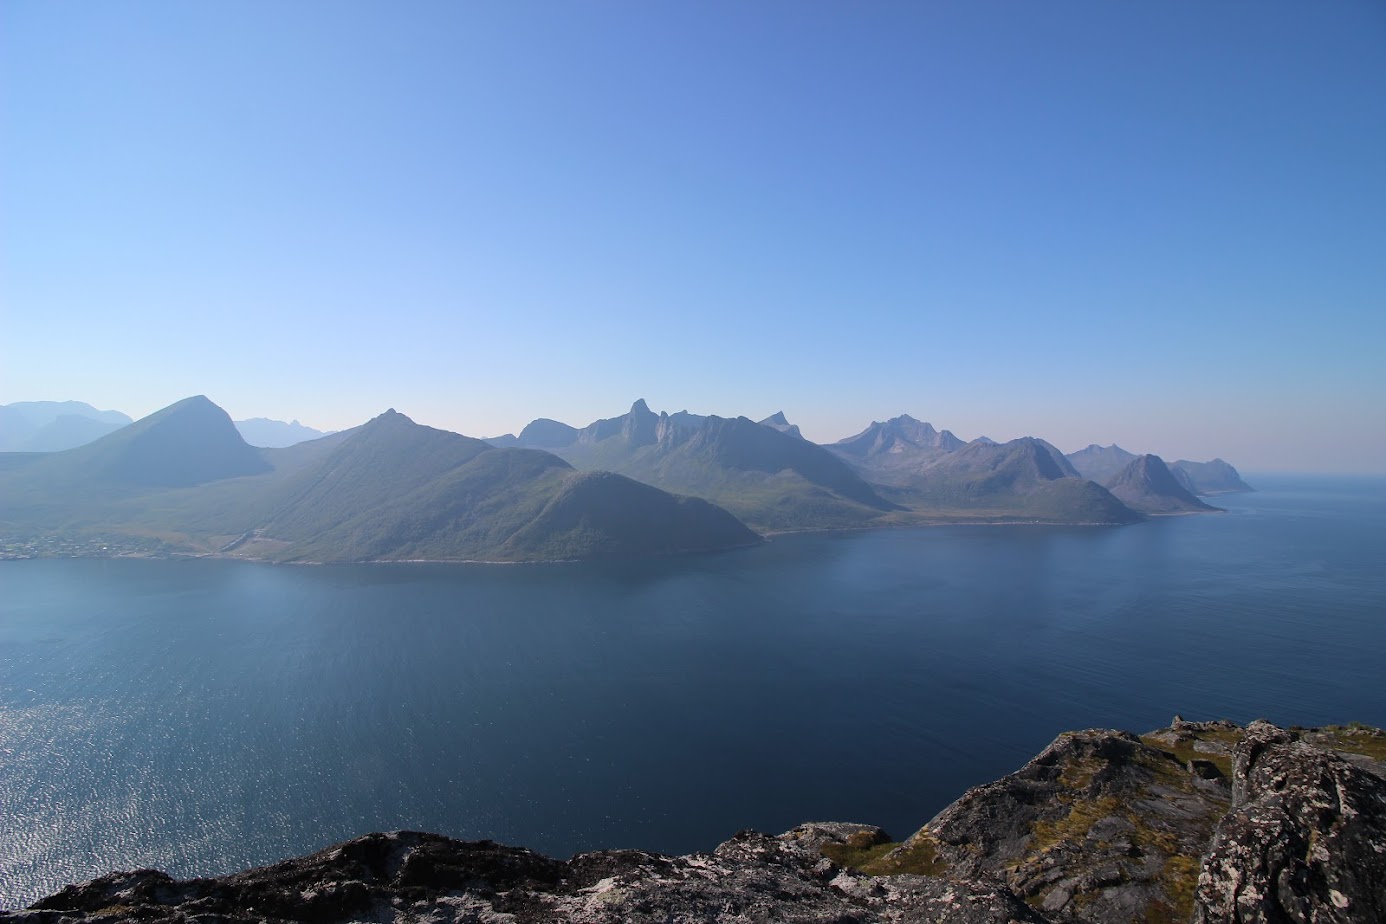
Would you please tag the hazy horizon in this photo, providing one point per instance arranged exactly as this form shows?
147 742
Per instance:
1136 445
1159 227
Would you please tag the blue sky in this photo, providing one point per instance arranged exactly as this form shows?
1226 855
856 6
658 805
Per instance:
1160 224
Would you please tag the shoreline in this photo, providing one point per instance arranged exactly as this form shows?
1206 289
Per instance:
766 536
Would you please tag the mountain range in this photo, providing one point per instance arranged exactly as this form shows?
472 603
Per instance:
187 479
387 490
896 472
1103 463
766 474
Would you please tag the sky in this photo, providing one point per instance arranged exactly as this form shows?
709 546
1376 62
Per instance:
1161 225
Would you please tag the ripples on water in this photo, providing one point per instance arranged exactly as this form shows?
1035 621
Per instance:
202 716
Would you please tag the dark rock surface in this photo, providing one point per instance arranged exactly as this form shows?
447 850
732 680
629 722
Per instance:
1202 821
407 876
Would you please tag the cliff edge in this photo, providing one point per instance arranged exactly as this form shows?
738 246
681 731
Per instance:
1206 822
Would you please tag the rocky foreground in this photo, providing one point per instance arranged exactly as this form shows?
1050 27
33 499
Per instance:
1204 822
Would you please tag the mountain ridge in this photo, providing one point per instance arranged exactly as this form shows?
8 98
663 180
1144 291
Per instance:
217 494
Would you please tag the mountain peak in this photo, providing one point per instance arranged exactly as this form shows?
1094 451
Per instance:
1101 463
777 421
640 407
897 448
190 442
390 415
1146 484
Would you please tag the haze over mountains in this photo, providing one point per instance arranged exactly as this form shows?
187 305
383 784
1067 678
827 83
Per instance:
52 426
186 479
276 434
49 426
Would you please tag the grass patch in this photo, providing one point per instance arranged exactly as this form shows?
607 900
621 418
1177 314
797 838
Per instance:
857 858
1073 827
918 856
1358 739
1078 774
1184 751
1180 879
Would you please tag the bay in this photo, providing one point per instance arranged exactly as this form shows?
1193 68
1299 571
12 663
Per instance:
200 716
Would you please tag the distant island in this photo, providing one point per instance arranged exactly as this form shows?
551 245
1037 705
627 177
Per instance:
187 480
1208 822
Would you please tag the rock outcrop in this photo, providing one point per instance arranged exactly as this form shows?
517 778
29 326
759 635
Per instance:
1306 838
1204 821
407 876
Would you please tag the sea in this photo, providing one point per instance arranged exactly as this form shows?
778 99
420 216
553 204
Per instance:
200 716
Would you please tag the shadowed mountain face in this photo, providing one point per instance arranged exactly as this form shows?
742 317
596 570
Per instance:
893 451
1147 485
1026 478
1215 477
276 434
52 426
387 490
769 477
1101 463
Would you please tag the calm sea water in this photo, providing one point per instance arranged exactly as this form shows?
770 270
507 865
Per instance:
201 716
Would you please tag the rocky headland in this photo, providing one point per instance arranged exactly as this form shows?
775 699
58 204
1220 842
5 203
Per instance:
1206 822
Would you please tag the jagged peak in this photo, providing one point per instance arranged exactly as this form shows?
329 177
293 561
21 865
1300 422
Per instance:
777 418
640 407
